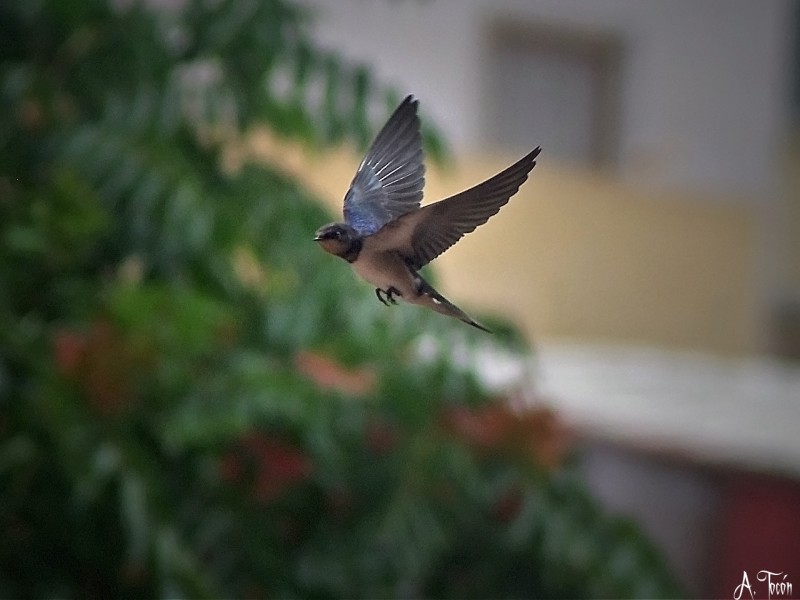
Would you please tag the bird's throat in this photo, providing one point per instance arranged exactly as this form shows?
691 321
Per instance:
353 250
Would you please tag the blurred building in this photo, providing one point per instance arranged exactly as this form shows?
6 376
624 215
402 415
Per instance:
679 103
664 217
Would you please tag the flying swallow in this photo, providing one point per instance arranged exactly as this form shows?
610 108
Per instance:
388 237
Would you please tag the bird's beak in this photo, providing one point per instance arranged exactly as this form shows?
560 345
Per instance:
317 237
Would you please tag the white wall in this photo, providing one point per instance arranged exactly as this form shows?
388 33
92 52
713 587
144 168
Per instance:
705 99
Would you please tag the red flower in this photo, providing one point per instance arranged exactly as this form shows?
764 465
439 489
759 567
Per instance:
70 352
486 428
269 466
101 362
532 431
329 374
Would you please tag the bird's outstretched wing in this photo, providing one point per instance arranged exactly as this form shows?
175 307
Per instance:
438 226
390 179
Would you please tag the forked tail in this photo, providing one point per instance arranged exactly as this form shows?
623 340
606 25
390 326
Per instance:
432 299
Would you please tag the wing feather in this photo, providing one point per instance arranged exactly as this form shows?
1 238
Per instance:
440 225
389 181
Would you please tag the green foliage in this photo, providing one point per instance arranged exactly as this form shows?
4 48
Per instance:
196 401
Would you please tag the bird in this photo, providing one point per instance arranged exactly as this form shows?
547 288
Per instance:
388 237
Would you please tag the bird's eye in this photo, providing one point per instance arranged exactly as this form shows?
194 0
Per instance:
338 234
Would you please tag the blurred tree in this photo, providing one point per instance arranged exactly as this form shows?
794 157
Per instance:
195 401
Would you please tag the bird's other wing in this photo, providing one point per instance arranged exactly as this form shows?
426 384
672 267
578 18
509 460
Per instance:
390 179
438 226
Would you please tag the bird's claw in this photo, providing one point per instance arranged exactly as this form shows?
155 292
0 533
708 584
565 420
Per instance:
387 296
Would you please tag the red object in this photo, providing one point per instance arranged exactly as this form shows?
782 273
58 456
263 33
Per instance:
328 373
268 465
70 352
101 362
498 427
761 532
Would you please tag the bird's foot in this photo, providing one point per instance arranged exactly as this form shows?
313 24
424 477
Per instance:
391 293
387 296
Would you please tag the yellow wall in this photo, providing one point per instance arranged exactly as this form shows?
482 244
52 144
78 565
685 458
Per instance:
577 254
792 191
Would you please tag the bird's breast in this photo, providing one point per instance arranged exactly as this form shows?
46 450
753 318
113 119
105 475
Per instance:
385 270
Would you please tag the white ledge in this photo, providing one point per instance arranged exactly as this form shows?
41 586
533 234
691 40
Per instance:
740 413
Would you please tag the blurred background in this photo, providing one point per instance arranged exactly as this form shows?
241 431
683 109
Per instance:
653 259
196 401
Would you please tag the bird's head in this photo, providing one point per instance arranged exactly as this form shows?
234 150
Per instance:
336 238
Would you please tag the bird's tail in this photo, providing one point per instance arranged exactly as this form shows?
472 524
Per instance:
432 299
